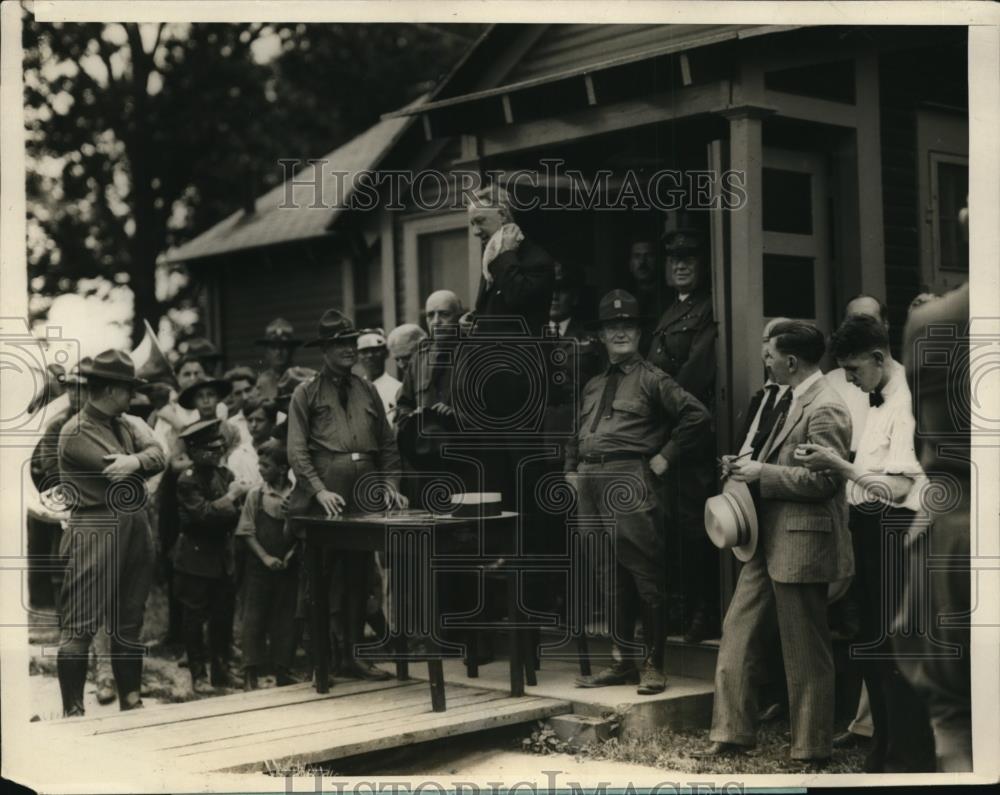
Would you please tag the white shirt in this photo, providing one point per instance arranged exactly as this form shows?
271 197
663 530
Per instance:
886 444
752 430
240 422
856 400
802 388
388 389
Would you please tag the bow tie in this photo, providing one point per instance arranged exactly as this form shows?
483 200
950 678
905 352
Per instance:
875 398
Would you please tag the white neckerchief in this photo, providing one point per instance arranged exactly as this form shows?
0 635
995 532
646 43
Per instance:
493 249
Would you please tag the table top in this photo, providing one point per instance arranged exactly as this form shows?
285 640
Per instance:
407 517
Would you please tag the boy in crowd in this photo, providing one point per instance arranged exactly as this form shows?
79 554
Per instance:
271 577
207 508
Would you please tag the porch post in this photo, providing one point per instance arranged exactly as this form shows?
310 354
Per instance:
869 143
746 260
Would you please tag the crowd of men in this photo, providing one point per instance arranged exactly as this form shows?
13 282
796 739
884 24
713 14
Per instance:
824 485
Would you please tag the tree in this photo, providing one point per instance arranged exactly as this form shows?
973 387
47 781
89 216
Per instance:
141 136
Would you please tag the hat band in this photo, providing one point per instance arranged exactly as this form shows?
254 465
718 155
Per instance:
742 521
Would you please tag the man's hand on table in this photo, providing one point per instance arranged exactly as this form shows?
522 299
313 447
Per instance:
331 502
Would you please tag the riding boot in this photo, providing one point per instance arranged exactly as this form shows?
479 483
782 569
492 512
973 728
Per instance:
128 678
651 679
72 670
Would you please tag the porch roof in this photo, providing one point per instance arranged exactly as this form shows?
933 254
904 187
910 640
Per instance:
273 222
551 68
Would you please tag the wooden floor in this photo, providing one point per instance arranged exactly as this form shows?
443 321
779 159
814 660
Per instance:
291 725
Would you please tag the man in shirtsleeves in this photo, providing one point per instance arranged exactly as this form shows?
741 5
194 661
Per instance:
635 425
337 434
104 461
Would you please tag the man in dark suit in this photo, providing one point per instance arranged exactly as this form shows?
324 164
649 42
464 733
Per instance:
804 545
517 274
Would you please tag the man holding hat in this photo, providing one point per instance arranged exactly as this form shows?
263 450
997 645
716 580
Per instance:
279 344
337 434
804 545
635 424
372 353
105 461
208 500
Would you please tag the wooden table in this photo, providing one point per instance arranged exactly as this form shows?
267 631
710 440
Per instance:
406 539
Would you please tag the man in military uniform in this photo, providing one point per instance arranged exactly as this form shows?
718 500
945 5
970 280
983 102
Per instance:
279 344
104 461
648 286
337 434
208 500
683 346
635 425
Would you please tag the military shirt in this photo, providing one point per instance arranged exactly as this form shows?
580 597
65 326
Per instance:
649 414
89 436
684 345
317 422
206 518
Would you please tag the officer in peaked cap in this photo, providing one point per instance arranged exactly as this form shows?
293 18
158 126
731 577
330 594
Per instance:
279 343
635 425
683 346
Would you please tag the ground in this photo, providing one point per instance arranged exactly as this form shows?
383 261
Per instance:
514 749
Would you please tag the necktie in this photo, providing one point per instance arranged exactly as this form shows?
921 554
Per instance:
608 396
875 398
781 411
344 391
766 421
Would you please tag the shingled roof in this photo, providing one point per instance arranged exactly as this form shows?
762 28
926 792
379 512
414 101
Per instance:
273 221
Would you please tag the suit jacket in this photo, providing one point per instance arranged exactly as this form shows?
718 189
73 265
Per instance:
522 285
683 345
803 521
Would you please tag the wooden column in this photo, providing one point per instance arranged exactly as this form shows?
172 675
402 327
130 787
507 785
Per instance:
869 146
387 257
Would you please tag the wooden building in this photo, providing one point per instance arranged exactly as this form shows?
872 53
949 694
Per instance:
850 146
851 143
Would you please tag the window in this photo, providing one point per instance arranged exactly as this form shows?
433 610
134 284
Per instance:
438 254
787 201
949 187
789 287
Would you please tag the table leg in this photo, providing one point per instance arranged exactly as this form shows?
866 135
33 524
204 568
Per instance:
435 673
513 616
402 666
583 653
472 654
319 609
528 655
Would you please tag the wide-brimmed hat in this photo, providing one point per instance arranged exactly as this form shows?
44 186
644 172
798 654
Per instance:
75 375
731 520
617 305
334 326
203 433
279 332
111 365
220 385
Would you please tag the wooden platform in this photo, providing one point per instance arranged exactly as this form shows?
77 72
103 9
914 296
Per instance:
292 725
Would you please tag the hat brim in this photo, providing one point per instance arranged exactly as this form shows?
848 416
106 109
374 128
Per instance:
221 386
99 375
290 343
741 493
342 337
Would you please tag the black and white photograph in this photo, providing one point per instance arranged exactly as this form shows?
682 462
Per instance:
490 396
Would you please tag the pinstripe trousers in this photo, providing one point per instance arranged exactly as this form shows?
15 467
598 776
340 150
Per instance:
800 612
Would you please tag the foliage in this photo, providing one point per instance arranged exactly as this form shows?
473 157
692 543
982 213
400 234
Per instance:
140 137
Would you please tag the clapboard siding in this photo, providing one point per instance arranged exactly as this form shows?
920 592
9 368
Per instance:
564 47
296 287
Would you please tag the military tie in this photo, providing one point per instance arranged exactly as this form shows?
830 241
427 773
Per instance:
344 390
607 398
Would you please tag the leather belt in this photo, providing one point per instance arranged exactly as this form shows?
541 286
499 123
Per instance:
360 456
608 457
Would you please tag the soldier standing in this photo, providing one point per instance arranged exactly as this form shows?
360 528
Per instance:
104 461
337 434
683 346
636 424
